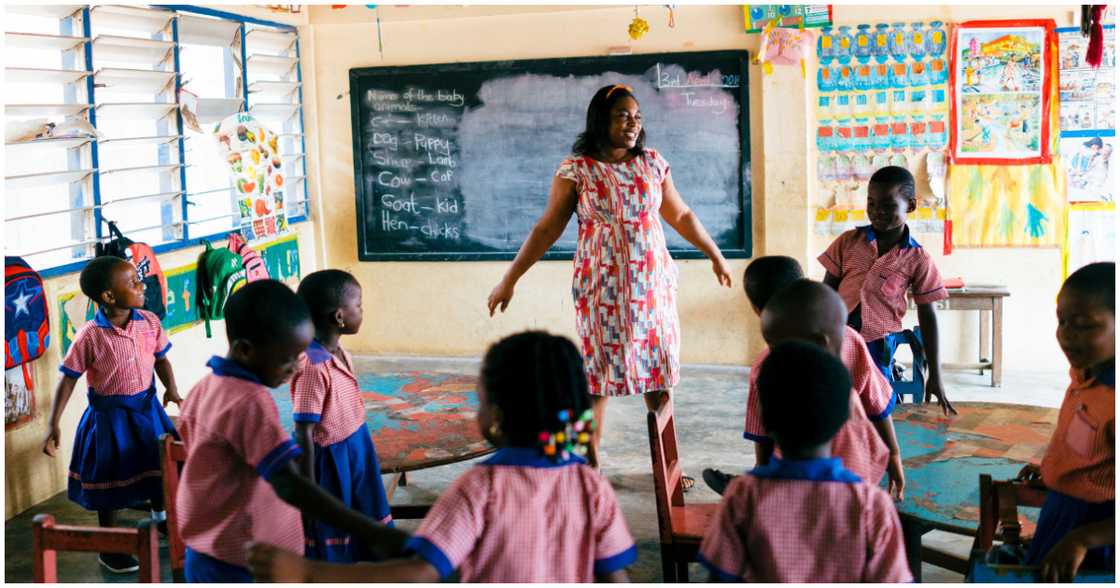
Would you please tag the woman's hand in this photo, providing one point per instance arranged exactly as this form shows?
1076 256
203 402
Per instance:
722 271
500 295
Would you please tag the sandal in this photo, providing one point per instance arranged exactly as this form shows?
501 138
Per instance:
687 482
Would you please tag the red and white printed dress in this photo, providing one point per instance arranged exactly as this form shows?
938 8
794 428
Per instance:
625 282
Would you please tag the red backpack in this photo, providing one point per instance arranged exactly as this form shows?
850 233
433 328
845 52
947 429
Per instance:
251 261
141 256
27 330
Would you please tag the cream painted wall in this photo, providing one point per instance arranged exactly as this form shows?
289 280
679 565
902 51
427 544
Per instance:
30 476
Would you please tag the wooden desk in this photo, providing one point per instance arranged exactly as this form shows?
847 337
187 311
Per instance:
943 458
988 300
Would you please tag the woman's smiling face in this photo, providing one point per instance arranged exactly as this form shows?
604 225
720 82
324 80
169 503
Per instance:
625 124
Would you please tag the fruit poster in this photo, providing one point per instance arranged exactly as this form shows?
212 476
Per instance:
882 99
1000 80
251 150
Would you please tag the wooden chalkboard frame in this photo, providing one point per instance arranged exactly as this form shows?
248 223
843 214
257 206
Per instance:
357 75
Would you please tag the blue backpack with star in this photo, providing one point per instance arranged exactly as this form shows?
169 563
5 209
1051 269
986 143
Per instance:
27 331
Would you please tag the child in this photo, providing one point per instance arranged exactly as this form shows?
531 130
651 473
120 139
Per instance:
803 312
534 512
804 517
872 266
115 462
1077 524
239 482
331 417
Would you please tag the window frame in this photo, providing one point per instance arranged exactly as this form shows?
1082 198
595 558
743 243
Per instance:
185 240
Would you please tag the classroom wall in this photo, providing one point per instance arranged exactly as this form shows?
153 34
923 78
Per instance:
31 477
439 308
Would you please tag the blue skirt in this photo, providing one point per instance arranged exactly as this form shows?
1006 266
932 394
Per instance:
1062 514
348 470
115 463
199 568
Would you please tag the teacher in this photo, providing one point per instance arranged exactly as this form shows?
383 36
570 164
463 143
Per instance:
624 281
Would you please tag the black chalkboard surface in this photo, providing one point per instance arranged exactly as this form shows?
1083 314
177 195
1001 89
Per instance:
454 161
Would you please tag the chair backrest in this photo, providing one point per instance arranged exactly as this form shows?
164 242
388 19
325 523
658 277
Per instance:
171 454
666 466
47 539
999 514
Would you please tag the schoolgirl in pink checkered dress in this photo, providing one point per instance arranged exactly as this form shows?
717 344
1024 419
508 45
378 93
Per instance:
625 282
534 512
115 462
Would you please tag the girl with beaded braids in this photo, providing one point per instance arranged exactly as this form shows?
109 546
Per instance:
533 512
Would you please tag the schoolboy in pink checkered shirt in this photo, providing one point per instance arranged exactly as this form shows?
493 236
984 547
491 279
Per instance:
239 481
534 512
873 266
804 517
115 462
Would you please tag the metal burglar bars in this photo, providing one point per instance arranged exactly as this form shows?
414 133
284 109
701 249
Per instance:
131 72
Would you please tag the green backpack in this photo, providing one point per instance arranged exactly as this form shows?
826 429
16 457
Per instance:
219 273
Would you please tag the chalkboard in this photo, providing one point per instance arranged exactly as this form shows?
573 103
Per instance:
453 162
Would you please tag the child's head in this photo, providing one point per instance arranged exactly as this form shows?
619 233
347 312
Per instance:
527 380
334 299
766 275
112 282
890 197
613 121
1087 315
806 311
796 375
268 327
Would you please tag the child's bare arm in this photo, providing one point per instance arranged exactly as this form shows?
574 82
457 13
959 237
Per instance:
1064 559
313 501
885 428
303 438
272 564
167 378
615 577
61 397
927 322
832 281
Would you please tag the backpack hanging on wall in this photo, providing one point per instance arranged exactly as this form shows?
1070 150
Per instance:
27 331
251 261
141 256
219 273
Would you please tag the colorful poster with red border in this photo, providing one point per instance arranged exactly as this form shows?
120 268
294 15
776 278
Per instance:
999 80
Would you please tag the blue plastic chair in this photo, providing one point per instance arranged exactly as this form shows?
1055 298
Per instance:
915 387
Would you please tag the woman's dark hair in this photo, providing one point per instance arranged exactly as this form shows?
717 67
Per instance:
531 377
594 136
322 291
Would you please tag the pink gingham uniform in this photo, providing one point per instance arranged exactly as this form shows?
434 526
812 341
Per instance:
857 443
878 284
519 517
805 521
117 361
235 442
325 392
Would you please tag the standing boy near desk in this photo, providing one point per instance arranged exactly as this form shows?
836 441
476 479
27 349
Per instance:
872 266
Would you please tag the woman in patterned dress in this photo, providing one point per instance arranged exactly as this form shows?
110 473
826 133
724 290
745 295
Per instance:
625 283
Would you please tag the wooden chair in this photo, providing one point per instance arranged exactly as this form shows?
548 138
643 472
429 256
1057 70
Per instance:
47 539
681 526
999 515
172 453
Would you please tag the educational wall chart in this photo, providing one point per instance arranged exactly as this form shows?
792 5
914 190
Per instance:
1088 116
757 16
1091 235
254 161
999 80
882 99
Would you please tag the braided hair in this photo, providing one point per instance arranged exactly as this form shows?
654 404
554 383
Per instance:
538 384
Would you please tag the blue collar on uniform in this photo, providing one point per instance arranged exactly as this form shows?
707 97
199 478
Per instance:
1105 373
231 369
317 353
905 242
825 469
102 320
530 457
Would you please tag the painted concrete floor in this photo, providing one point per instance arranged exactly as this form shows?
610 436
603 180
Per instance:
710 403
